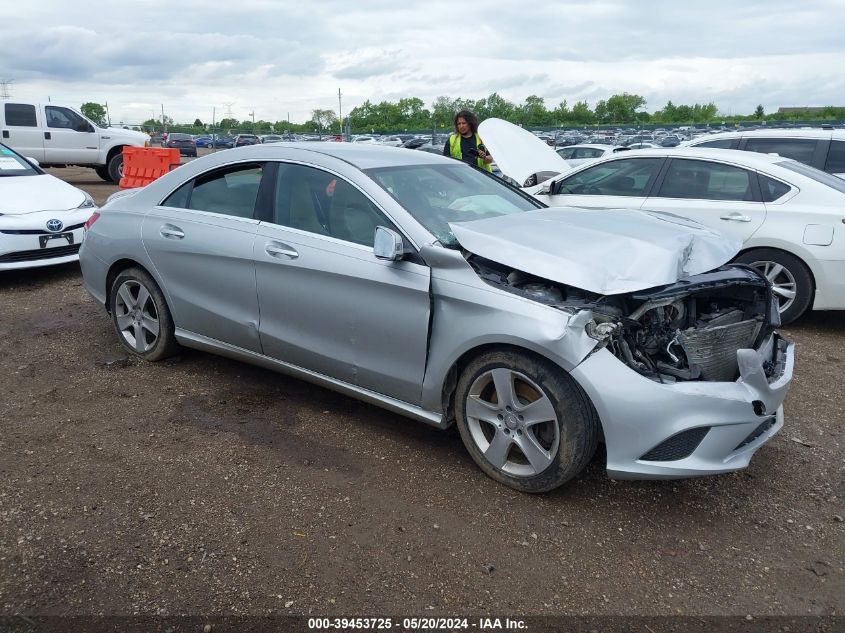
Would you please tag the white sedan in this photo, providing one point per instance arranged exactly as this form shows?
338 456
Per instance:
41 217
577 155
790 217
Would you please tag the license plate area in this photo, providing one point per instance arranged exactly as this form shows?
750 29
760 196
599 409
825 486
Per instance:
55 239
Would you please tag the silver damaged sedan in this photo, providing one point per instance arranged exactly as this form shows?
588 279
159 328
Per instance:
427 287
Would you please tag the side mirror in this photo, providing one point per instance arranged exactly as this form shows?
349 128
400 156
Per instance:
388 244
32 161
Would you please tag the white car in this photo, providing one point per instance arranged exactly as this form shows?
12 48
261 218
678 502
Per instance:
41 217
587 152
789 217
817 147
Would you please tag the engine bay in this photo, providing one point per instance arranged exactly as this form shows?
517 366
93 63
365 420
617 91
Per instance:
686 331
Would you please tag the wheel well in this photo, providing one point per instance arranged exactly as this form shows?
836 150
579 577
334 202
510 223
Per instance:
116 268
450 384
785 252
113 151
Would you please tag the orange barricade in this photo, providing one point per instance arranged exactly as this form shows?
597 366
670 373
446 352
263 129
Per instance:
142 165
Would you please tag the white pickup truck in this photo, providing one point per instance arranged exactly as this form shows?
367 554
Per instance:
59 135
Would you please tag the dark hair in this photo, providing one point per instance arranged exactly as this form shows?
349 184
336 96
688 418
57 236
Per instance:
469 117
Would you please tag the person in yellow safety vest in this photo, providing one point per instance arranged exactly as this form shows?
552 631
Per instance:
465 144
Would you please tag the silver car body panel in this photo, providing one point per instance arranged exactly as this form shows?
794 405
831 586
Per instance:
608 251
423 318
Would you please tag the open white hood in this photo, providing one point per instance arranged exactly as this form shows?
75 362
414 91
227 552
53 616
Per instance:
606 251
518 153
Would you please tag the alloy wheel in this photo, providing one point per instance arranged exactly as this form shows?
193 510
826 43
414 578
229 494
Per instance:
512 422
136 316
782 280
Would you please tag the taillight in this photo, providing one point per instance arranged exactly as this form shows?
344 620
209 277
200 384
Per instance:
90 221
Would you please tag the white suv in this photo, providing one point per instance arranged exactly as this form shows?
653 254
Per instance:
57 136
819 148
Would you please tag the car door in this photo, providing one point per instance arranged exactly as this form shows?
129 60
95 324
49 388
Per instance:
327 303
718 195
22 131
621 183
68 137
201 239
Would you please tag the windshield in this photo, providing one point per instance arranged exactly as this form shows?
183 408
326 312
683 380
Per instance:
438 194
815 174
13 164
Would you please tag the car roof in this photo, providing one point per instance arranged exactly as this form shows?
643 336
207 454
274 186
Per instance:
754 160
592 146
774 133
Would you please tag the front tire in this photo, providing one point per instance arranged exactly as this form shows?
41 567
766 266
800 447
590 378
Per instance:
524 421
141 317
791 280
115 168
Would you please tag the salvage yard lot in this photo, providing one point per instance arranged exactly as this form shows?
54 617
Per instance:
204 485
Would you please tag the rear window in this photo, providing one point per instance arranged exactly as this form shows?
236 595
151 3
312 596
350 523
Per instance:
814 174
180 137
20 115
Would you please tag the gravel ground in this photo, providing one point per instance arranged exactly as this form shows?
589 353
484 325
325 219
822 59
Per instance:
202 485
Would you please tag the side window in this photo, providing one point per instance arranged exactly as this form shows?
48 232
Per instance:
179 198
703 180
624 177
566 153
313 200
836 158
722 143
800 149
20 115
64 118
229 191
772 189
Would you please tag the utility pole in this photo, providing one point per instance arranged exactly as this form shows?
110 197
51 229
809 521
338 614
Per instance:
252 114
163 121
339 112
5 85
108 115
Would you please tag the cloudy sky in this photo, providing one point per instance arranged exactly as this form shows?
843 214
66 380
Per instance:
278 57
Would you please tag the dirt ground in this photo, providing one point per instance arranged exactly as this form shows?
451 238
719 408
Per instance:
202 485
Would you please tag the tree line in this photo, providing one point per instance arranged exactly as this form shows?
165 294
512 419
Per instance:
411 114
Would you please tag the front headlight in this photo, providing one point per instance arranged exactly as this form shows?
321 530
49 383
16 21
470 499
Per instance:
88 203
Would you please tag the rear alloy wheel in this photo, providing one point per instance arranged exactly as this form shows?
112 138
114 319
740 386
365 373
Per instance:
791 281
524 420
141 317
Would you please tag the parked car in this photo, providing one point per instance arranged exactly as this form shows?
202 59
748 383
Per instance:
428 287
579 154
41 217
246 139
224 141
271 138
183 142
204 141
788 216
58 135
819 148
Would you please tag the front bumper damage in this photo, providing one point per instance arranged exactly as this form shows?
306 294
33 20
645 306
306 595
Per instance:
687 429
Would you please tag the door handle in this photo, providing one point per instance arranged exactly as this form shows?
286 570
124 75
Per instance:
48 136
172 232
280 250
735 217
5 133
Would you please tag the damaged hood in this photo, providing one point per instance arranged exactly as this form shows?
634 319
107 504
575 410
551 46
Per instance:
605 251
518 153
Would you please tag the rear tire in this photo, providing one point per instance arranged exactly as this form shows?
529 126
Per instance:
115 168
103 172
141 317
791 280
524 420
